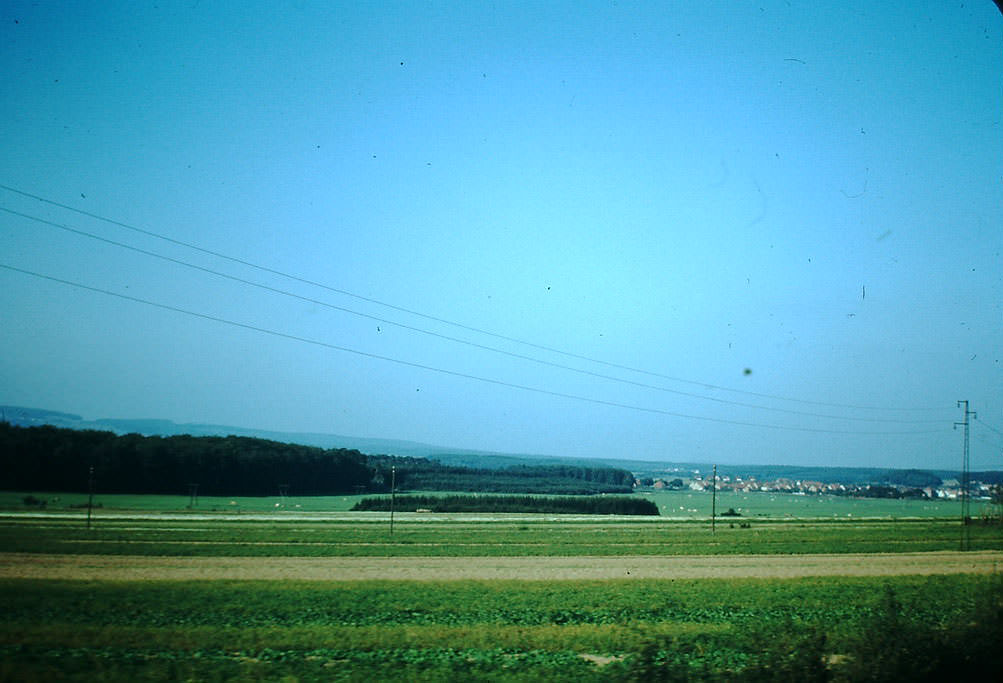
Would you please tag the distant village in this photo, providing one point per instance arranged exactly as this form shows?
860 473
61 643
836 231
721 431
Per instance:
948 489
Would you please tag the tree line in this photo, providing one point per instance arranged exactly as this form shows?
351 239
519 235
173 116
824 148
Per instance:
421 474
583 505
55 459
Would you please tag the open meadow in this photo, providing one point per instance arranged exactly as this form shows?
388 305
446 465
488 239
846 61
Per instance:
155 591
672 504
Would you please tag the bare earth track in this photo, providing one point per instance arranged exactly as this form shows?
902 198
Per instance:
137 568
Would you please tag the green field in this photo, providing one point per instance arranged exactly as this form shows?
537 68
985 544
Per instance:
674 504
481 631
787 505
221 628
66 502
459 536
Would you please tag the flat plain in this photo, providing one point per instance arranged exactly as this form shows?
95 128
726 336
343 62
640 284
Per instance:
154 591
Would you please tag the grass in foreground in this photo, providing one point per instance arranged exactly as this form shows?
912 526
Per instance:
842 628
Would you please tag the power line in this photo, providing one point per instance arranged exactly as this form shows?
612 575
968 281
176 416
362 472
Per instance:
966 534
451 373
988 440
444 321
983 423
419 330
994 440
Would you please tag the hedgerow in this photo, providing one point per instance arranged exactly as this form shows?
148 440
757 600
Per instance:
586 505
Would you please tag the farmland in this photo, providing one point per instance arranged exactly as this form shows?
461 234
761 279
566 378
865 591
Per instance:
420 535
673 504
154 591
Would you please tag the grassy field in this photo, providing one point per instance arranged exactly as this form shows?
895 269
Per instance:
419 535
787 505
673 504
222 628
455 630
66 502
610 630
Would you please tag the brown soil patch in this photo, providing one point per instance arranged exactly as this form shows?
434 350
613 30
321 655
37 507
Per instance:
138 568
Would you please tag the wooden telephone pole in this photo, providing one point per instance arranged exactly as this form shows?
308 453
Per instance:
713 501
393 495
966 516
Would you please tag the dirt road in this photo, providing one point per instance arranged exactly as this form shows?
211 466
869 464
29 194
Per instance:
134 568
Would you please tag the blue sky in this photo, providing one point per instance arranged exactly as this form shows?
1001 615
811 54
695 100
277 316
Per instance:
810 192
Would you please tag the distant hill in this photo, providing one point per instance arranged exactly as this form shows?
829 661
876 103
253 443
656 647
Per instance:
458 457
34 417
48 458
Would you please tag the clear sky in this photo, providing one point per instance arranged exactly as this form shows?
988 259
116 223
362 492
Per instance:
695 231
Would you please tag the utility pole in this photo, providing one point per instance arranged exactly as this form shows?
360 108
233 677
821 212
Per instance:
393 495
966 534
90 495
713 501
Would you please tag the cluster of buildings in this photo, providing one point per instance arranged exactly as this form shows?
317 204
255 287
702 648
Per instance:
949 489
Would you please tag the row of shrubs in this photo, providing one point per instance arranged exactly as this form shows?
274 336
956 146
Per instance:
585 505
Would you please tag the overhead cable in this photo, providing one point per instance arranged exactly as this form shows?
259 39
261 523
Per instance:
444 321
983 423
451 373
419 330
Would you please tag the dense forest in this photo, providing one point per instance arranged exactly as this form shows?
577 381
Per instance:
53 459
60 460
591 505
420 474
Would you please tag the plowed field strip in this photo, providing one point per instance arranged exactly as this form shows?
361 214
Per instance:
136 568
